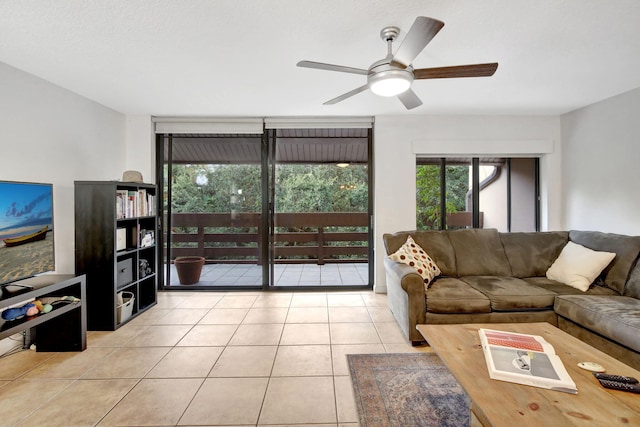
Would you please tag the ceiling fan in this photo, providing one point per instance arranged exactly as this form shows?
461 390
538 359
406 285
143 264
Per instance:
393 75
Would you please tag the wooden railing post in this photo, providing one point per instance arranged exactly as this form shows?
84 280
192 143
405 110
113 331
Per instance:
320 245
201 240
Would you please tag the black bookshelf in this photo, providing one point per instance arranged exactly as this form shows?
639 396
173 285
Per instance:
112 237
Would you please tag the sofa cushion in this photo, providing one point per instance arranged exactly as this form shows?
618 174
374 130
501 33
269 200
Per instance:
562 289
614 317
511 293
438 246
414 256
451 295
435 243
626 248
479 252
632 289
392 242
531 254
578 266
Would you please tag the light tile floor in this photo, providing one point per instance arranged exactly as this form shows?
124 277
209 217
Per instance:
209 359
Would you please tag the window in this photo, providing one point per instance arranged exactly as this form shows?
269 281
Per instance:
505 194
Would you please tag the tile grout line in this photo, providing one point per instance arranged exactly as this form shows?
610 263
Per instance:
275 357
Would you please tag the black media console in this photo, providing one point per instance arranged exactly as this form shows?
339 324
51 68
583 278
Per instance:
62 329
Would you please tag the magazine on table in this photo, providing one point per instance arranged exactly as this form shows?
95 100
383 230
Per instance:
524 359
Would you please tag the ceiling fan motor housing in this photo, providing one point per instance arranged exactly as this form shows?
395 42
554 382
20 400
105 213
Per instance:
385 79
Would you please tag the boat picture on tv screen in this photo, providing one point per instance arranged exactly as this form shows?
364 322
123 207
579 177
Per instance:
26 230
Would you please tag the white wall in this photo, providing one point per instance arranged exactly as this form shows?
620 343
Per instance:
140 146
398 139
601 146
52 135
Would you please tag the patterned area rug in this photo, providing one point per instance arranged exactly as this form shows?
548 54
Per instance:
406 390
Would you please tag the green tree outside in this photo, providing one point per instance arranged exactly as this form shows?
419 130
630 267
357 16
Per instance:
300 188
428 193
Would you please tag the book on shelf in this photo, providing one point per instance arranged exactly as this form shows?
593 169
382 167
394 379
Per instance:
121 203
134 203
524 359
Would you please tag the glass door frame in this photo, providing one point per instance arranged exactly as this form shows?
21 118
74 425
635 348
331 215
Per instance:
165 223
268 147
270 206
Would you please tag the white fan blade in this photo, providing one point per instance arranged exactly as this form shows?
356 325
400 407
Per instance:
419 35
347 95
409 99
331 67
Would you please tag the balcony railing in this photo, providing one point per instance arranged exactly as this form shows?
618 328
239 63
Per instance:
298 238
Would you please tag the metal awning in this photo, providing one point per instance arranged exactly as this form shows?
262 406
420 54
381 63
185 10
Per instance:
348 145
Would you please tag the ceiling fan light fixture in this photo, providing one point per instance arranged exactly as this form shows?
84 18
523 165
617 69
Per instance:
390 82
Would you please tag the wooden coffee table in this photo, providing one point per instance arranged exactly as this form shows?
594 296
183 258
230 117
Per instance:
499 403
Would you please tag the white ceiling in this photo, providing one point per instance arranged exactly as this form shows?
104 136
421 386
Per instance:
238 57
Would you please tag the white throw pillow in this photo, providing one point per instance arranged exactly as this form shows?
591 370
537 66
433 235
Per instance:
578 266
413 255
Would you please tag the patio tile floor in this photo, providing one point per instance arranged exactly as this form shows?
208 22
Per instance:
229 275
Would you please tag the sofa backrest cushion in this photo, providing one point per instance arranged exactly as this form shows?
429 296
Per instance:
438 246
393 242
435 243
479 252
626 248
531 254
632 289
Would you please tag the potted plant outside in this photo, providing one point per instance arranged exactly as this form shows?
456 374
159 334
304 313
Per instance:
189 269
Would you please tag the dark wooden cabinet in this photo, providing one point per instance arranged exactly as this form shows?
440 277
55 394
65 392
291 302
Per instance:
62 329
115 231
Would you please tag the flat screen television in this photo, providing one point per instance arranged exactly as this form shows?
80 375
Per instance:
26 232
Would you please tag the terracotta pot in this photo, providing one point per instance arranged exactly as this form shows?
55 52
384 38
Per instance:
189 269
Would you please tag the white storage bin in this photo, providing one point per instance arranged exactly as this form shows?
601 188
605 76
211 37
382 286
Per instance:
125 306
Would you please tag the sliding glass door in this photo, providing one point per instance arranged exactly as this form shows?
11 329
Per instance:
213 208
320 210
286 208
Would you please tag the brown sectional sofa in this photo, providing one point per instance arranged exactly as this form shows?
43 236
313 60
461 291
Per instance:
491 277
